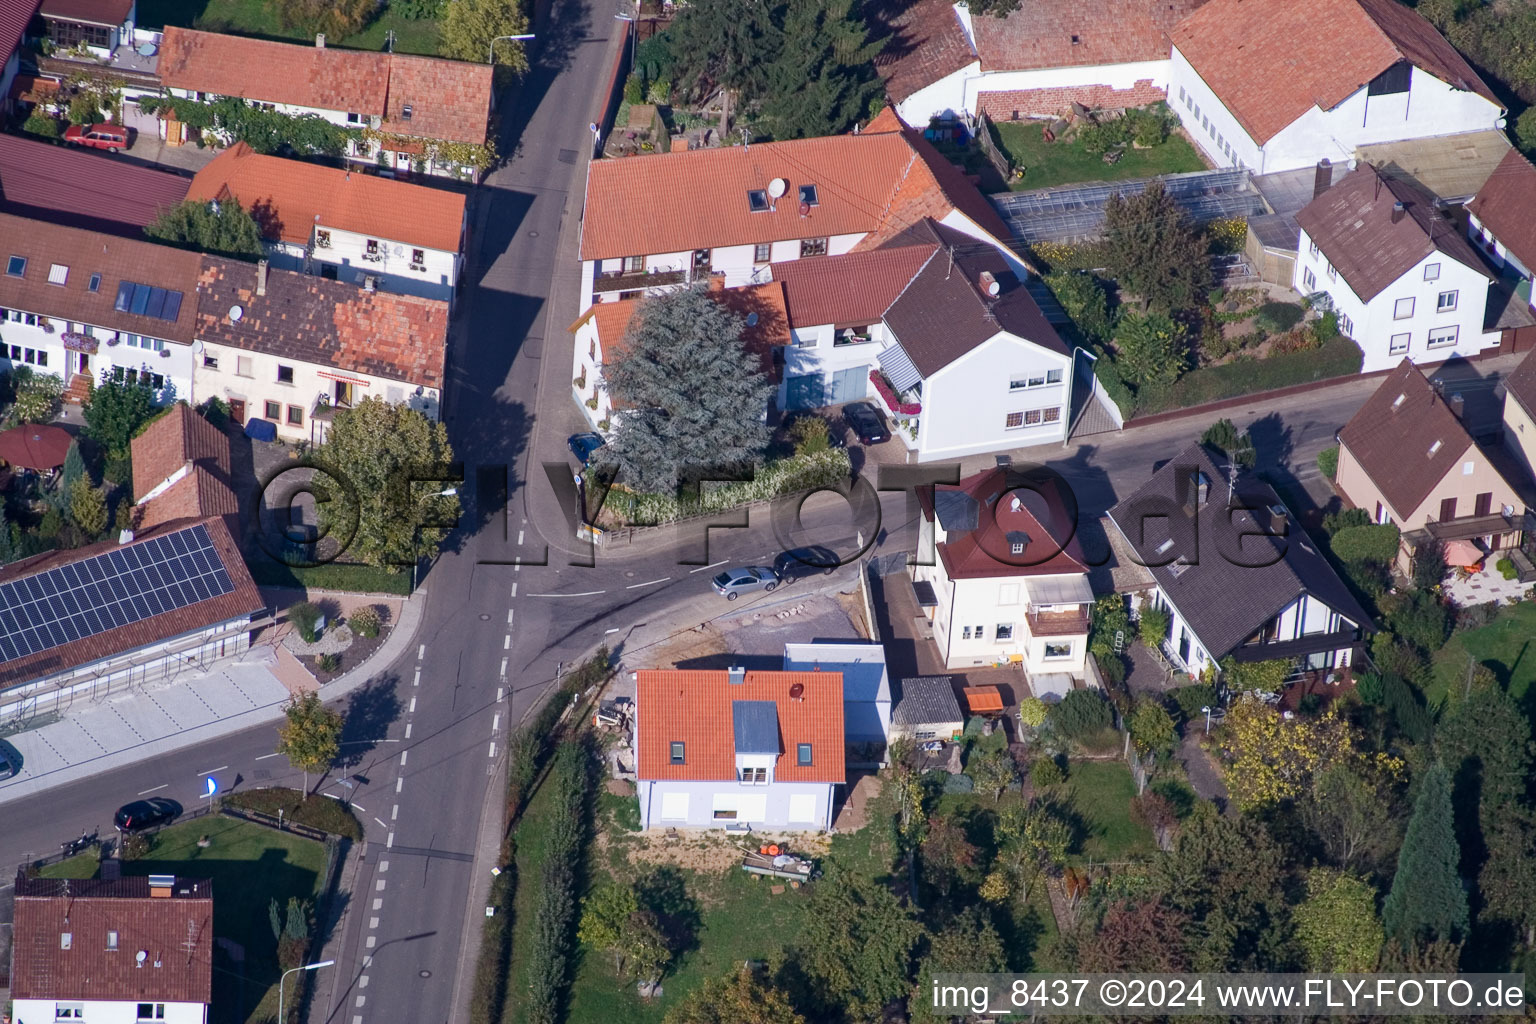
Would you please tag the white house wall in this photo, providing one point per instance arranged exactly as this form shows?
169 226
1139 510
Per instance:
943 98
1207 119
397 271
99 1011
816 353
1496 250
50 356
735 262
966 404
703 797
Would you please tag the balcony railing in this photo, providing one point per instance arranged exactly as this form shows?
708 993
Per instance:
1057 623
888 395
640 279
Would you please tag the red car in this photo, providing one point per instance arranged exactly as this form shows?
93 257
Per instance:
98 136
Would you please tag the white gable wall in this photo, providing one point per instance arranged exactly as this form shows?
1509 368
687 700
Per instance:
966 404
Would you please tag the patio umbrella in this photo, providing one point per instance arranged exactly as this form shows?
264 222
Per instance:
35 446
1463 553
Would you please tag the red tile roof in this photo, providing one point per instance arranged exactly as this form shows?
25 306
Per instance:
200 493
332 323
987 550
449 99
96 12
241 601
87 253
924 43
174 934
84 189
170 442
291 197
851 290
875 183
1271 62
1070 33
694 707
1506 205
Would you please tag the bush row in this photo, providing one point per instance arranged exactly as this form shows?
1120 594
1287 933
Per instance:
549 952
348 576
1336 358
806 472
315 811
488 997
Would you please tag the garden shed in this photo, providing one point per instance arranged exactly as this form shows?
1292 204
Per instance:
927 710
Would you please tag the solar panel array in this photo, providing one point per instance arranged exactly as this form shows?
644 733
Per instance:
147 300
112 589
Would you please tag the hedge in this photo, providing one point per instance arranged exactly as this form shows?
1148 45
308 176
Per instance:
344 576
786 476
1328 461
314 810
554 932
1339 357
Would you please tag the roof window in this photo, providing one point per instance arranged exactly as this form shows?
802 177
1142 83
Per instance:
1398 402
757 200
803 754
808 195
16 266
1434 447
677 752
58 274
95 284
405 112
1165 546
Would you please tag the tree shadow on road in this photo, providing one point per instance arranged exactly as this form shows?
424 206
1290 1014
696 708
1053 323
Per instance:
369 715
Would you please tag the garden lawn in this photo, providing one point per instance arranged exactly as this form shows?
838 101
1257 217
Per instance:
1060 163
1100 792
1508 645
256 18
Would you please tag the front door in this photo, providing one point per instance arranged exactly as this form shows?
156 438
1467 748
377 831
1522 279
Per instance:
237 410
85 363
343 394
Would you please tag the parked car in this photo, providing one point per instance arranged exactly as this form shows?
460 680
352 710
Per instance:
583 446
734 582
98 136
145 814
806 561
866 422
10 760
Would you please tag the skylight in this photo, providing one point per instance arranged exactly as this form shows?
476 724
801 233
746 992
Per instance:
1434 447
16 266
808 195
757 200
1398 401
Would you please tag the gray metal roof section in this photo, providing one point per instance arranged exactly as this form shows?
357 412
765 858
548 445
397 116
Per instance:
862 666
1077 211
756 725
925 700
958 512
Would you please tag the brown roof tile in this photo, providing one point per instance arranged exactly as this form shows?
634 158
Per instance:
849 290
95 12
87 253
242 600
315 320
1352 223
1270 61
924 43
1070 33
449 99
170 442
200 493
1405 438
174 933
290 197
1506 205
1521 383
695 707
83 189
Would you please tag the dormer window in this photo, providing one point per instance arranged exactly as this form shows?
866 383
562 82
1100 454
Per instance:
757 200
808 195
676 756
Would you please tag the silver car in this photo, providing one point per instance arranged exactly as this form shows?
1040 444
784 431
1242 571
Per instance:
734 582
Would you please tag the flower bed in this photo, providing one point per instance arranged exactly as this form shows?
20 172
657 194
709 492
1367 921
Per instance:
892 400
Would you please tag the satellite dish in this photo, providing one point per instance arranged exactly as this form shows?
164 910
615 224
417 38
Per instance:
141 956
235 313
751 319
796 691
777 187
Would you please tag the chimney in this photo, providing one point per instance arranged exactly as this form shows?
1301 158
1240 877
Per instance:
261 277
1398 209
1457 404
1322 180
125 536
319 40
717 282
989 285
736 675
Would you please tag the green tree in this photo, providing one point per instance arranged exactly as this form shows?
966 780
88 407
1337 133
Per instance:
1427 901
1110 618
74 469
310 736
948 856
1080 714
1030 839
1141 936
222 228
88 508
856 946
1507 884
1337 925
1525 131
825 78
968 942
605 913
1151 726
115 412
1328 461
1153 625
1223 436
1351 814
692 393
1032 712
472 24
993 771
1085 301
738 998
1152 349
646 947
396 463
727 45
84 108
1428 565
1154 250
992 8
42 124
37 395
1262 676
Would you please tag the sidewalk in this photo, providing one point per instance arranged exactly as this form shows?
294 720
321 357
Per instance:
234 696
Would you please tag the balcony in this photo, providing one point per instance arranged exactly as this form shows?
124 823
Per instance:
640 279
1057 623
899 405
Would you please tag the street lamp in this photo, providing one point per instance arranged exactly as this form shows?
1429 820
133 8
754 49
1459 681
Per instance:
281 980
1072 387
416 562
1207 710
492 58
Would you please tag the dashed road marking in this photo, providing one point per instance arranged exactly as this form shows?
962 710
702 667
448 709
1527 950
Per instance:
519 536
363 999
403 755
506 642
389 841
421 652
381 821
394 812
210 771
503 671
417 680
378 886
263 757
514 590
362 981
501 692
711 565
383 866
357 1018
408 729
372 941
493 748
162 786
412 709
399 785
509 616
377 904
373 922
495 722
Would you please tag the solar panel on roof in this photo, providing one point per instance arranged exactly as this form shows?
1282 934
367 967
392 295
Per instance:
172 306
156 302
124 296
139 300
109 590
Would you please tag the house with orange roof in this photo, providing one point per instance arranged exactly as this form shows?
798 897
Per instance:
344 224
738 749
1276 85
413 115
181 469
293 348
1001 577
672 219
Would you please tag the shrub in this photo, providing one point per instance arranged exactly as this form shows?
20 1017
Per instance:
37 396
1476 616
1227 235
1083 299
328 662
1333 522
1328 462
810 434
348 576
365 622
42 123
1046 772
1153 626
1149 126
1369 689
1032 712
1081 713
1278 317
959 784
1326 327
215 411
634 89
786 476
549 948
1372 543
315 810
1506 568
1190 699
1337 358
304 617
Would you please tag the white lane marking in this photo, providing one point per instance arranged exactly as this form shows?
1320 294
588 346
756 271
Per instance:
421 652
403 755
263 757
394 812
503 671
648 583
519 536
383 866
357 1018
506 642
373 922
165 784
408 729
509 616
493 748
378 886
711 565
417 680
389 841
412 709
373 940
363 999
362 981
377 904
501 692
399 784
210 771
584 593
381 821
495 722
514 590
358 807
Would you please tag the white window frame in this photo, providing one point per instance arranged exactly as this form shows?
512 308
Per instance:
1398 344
1308 280
1397 308
1002 632
1444 337
1441 306
1431 271
1046 654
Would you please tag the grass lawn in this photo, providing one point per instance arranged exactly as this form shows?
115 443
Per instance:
1100 792
1060 163
249 865
1507 645
256 18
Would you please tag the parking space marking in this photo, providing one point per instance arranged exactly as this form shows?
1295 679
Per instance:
155 790
648 583
263 757
210 771
381 821
711 565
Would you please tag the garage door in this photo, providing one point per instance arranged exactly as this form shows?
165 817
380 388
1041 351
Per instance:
674 807
803 392
847 385
802 809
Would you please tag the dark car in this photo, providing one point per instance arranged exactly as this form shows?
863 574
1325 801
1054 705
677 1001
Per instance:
866 422
806 561
10 761
145 814
734 582
584 445
98 136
